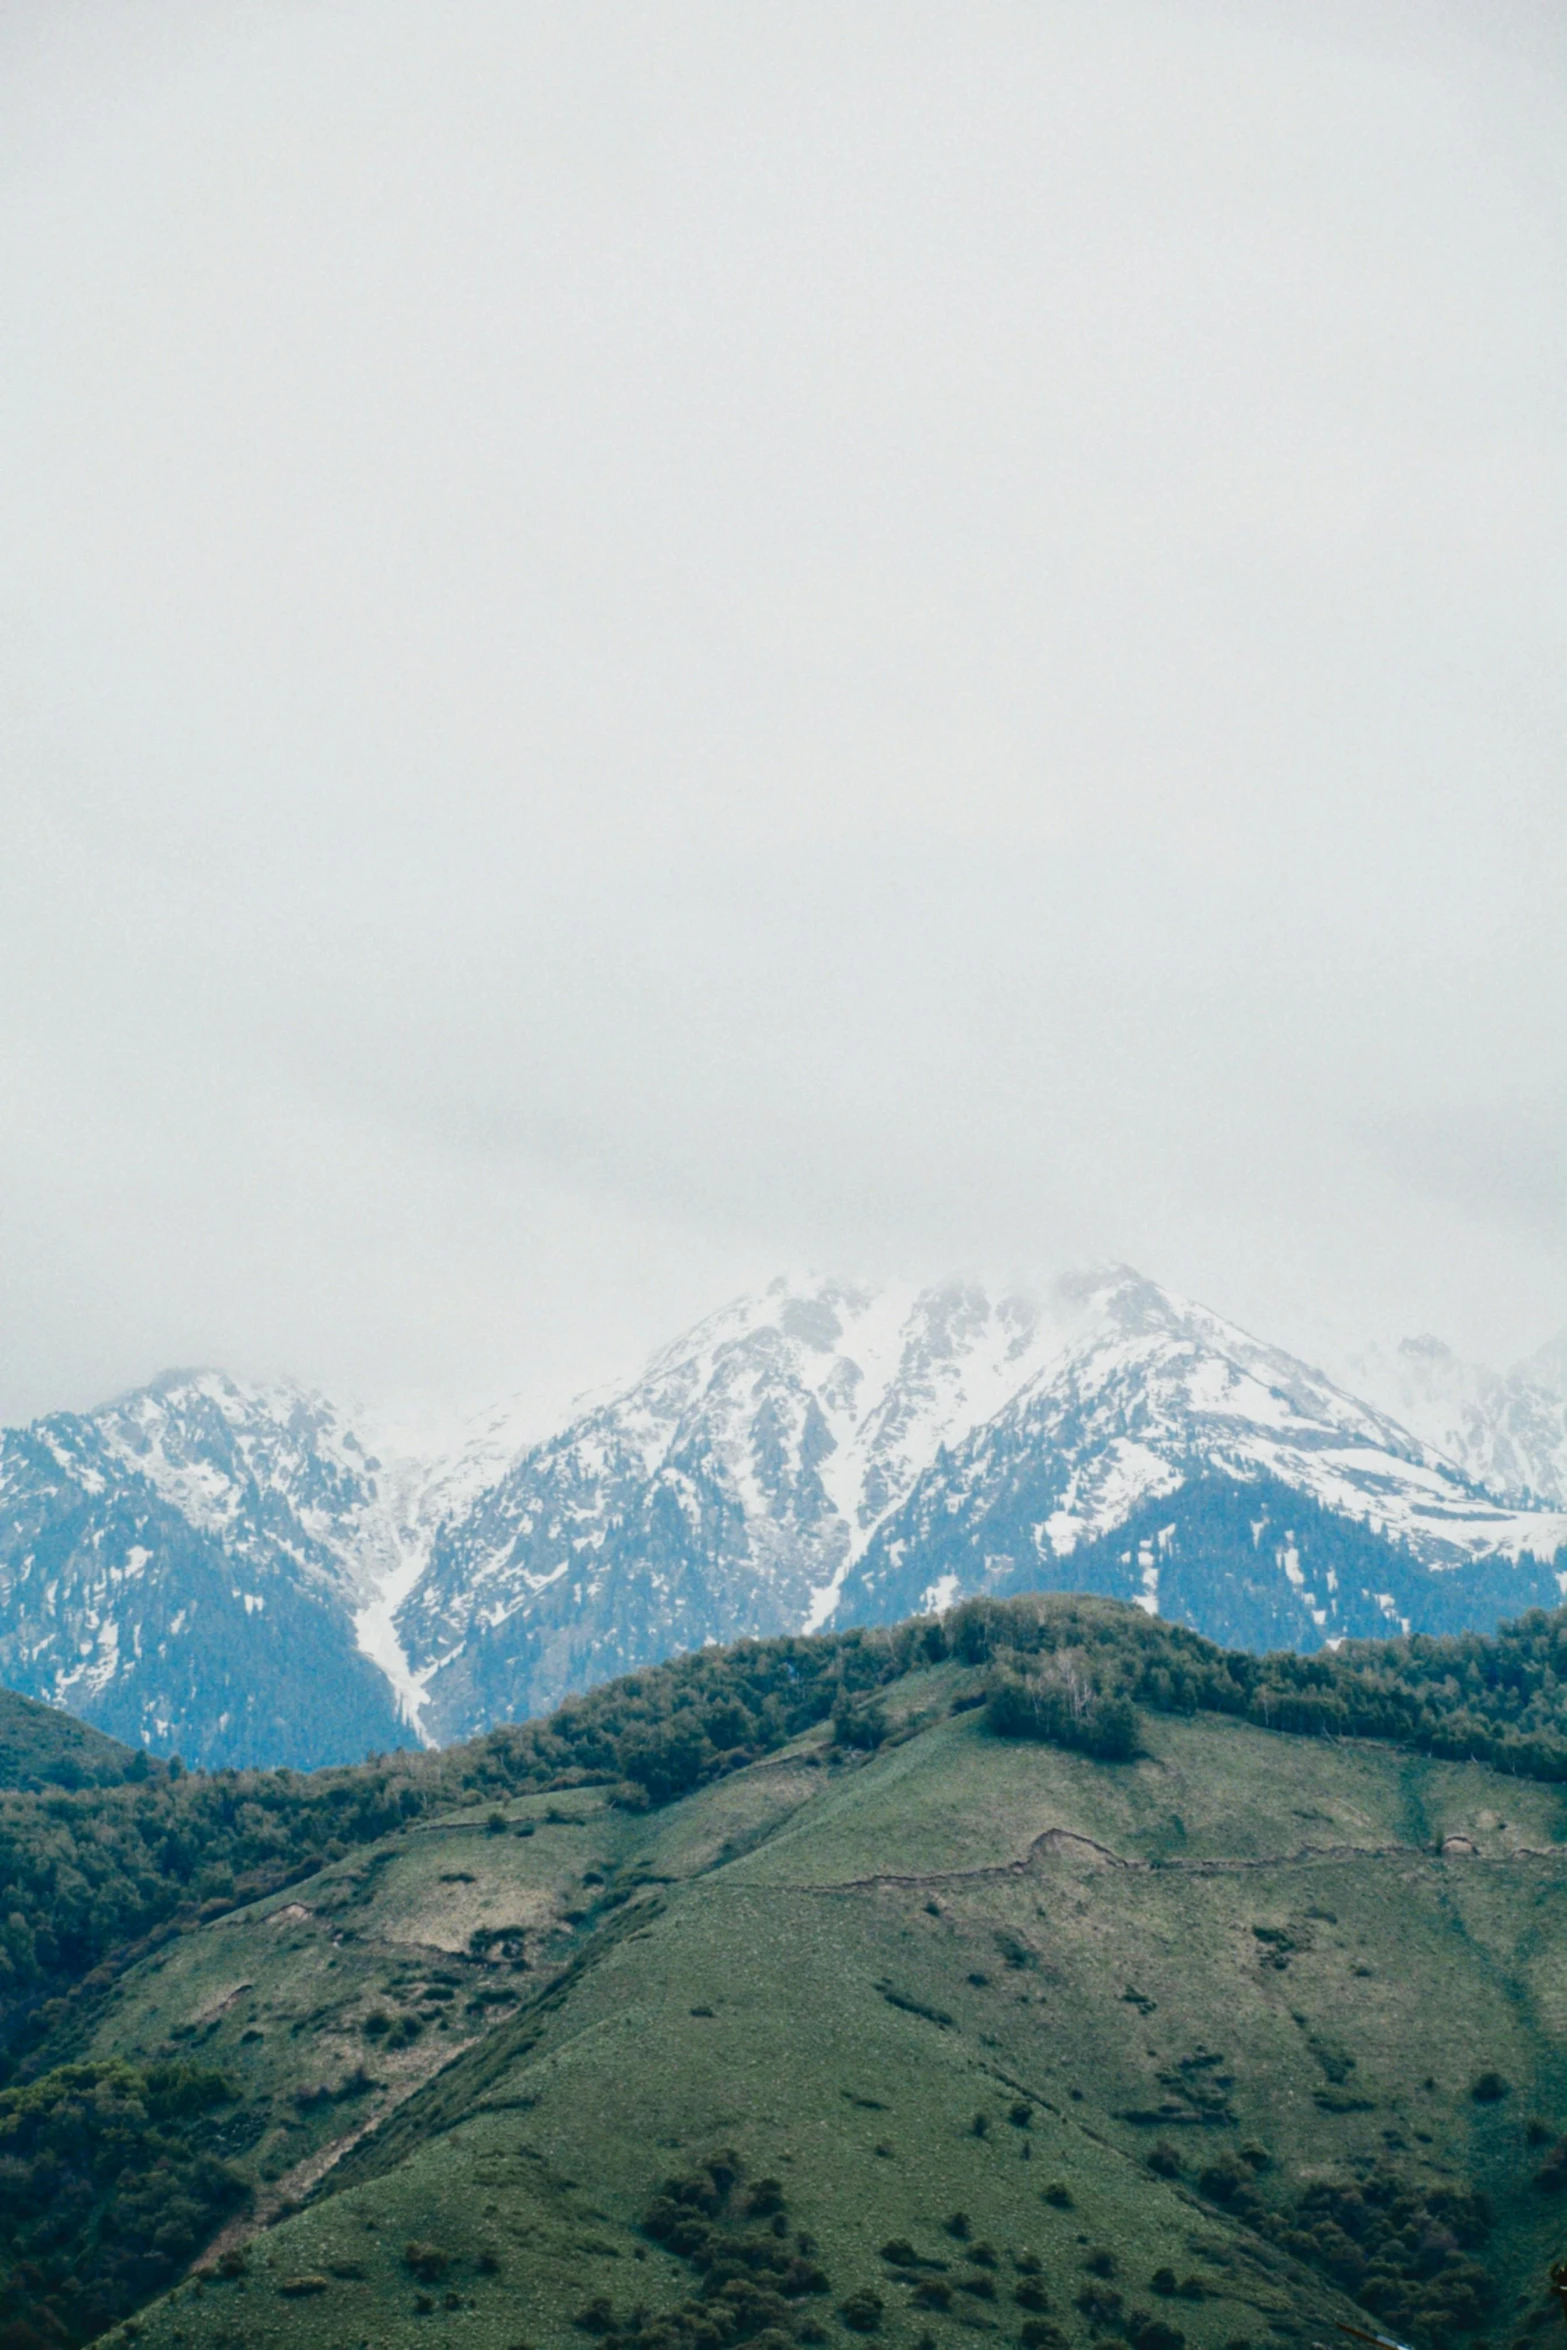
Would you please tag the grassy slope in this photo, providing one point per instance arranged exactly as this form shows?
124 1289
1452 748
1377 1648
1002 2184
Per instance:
786 1900
42 1747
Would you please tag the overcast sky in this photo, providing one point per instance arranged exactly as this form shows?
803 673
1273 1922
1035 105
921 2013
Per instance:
645 643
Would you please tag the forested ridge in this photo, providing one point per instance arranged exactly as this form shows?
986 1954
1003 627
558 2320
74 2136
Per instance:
1501 1700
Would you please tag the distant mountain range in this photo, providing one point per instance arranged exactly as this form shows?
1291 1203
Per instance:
231 1572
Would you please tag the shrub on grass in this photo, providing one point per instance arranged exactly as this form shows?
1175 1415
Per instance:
1403 2247
96 1866
1228 2182
428 2262
1152 2333
859 1723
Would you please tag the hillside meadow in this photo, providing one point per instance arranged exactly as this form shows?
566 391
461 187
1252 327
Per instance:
1017 1975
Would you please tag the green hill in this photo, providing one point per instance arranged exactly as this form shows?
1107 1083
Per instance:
42 1747
1010 1977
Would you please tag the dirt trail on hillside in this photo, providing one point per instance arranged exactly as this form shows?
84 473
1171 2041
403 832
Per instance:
1070 1842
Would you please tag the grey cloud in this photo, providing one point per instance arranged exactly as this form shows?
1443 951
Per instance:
635 644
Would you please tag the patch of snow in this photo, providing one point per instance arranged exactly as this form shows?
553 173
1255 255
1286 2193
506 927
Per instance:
1148 1597
375 1631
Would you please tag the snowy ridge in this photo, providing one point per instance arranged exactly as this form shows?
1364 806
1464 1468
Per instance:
826 1452
255 1465
727 1491
245 1574
276 1471
181 1567
1157 1383
1506 1430
1152 1393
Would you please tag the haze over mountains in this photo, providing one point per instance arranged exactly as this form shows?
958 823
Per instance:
231 1572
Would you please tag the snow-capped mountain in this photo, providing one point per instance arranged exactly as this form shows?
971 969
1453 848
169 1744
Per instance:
831 1453
1168 1457
727 1492
184 1567
1505 1429
236 1572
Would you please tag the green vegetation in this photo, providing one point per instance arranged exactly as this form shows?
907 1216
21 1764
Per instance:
99 1848
1072 1671
755 2283
42 1747
1050 1698
1043 1972
108 2188
83 1873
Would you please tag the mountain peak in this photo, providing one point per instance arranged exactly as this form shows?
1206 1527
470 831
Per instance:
231 1568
